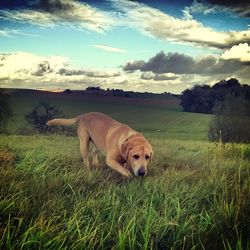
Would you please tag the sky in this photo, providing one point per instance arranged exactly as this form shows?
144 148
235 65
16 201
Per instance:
154 46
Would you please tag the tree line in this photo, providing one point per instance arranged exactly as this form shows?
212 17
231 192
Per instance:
203 98
121 93
229 102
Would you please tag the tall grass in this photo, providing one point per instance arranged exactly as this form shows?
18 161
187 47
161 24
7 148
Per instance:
196 196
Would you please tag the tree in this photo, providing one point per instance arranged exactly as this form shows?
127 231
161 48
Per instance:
198 99
231 120
5 111
223 84
187 98
68 91
203 98
39 116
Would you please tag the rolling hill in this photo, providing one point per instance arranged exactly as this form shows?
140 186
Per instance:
160 117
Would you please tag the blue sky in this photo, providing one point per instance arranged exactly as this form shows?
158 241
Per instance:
153 46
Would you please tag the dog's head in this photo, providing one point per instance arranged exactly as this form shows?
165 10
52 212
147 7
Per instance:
137 153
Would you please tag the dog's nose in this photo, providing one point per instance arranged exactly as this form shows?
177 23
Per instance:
141 172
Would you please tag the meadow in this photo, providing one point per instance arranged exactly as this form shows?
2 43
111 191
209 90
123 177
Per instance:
195 196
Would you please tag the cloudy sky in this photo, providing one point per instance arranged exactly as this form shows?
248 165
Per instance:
142 45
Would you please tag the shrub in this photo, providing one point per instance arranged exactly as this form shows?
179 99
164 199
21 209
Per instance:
5 111
39 116
231 120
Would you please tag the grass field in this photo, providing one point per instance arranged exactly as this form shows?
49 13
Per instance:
195 196
156 118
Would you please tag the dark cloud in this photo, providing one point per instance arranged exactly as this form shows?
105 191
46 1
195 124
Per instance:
233 38
160 62
134 65
45 5
51 12
182 64
242 8
53 6
163 63
42 69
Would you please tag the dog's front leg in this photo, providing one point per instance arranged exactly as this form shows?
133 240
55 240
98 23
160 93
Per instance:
114 164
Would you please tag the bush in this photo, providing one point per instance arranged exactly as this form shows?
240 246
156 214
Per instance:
231 120
5 111
39 116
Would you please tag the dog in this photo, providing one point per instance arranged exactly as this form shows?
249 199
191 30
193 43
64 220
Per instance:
124 147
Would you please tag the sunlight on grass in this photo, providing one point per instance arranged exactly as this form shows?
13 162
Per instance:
196 196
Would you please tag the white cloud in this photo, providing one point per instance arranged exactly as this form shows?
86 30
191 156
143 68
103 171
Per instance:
158 77
200 7
21 65
23 69
154 22
108 48
76 14
150 21
29 16
27 70
11 32
240 52
4 32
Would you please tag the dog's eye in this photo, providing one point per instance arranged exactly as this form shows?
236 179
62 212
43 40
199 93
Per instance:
147 157
136 157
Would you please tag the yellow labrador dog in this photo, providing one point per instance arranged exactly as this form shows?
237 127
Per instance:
124 147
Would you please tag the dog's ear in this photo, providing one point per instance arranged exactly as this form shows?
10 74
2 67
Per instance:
126 147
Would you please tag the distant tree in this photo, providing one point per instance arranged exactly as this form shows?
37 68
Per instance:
94 88
118 92
198 99
203 98
5 111
223 84
39 116
231 120
187 100
67 91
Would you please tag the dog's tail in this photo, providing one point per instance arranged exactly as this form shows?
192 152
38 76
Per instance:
62 121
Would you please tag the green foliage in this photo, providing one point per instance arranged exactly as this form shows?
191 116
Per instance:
231 120
196 196
5 111
39 116
198 99
203 99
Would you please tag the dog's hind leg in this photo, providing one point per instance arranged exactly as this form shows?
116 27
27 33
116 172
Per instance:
94 154
95 160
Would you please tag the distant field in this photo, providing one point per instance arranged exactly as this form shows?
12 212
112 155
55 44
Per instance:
158 117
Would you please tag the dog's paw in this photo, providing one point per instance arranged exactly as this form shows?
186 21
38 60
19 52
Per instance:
127 174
